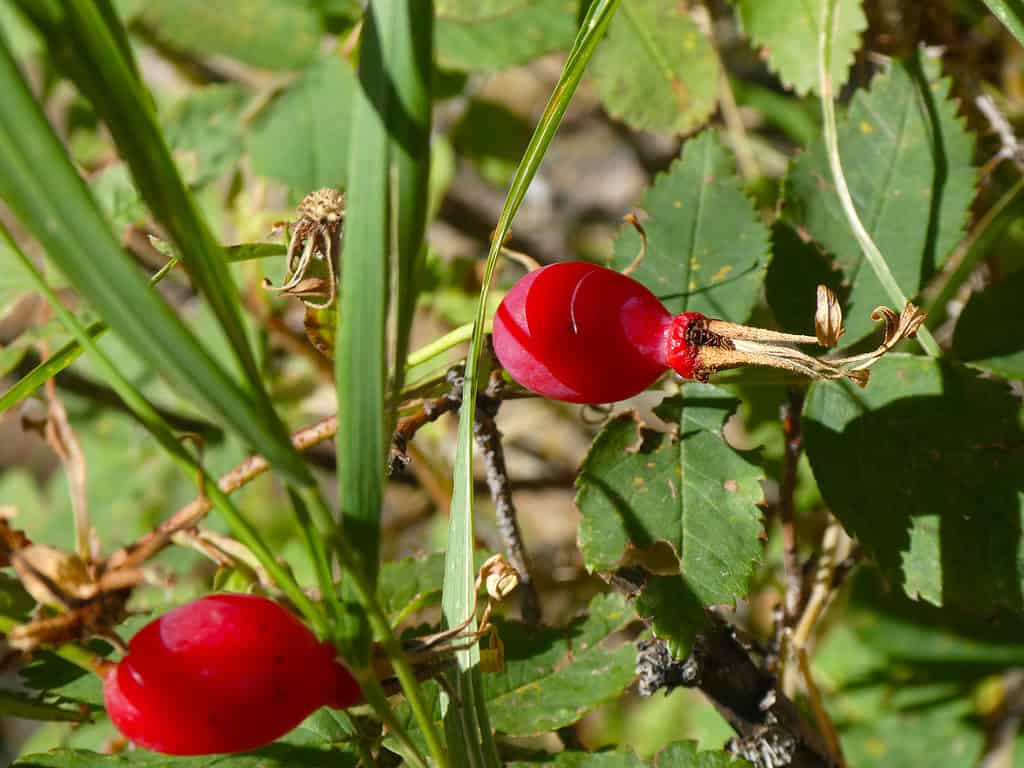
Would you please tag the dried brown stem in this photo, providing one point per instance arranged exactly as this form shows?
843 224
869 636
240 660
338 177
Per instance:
62 439
190 515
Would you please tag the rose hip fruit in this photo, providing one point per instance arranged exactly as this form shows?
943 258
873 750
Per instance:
583 333
225 673
579 332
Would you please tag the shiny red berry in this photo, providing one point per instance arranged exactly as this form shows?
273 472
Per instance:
225 673
583 333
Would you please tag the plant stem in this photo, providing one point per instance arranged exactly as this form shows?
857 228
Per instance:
828 110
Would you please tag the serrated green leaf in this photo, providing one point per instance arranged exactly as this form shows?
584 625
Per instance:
656 70
553 677
924 467
707 249
497 34
1011 14
278 755
691 489
405 584
988 333
302 137
908 163
787 31
797 268
274 34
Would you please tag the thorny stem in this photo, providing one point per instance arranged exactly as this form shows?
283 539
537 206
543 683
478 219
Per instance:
828 109
793 448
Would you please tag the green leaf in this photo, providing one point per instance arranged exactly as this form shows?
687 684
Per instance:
923 466
553 677
988 333
907 158
405 585
788 31
797 268
691 490
274 34
898 672
205 132
279 755
25 707
680 754
302 137
657 70
494 35
1011 14
707 248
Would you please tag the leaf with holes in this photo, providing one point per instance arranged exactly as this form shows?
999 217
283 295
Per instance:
925 467
656 70
787 32
907 159
707 249
639 490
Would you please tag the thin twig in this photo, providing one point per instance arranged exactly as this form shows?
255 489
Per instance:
488 437
821 716
190 515
787 488
62 439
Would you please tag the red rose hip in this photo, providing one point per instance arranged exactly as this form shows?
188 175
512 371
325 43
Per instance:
225 673
583 333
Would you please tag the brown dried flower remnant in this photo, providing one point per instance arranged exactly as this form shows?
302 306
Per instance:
721 345
315 239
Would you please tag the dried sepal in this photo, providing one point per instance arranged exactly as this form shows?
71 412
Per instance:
828 318
53 577
896 328
498 576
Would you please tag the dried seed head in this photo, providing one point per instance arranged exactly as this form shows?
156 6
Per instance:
315 240
323 207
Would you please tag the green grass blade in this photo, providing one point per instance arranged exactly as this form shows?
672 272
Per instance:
68 353
240 527
106 75
411 67
46 193
458 597
361 359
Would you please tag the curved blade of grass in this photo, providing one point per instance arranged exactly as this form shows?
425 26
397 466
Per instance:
45 191
240 526
87 39
828 111
470 718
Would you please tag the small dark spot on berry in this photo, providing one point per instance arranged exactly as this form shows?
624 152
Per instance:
262 629
211 720
279 658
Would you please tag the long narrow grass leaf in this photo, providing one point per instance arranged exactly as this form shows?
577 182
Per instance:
458 596
240 527
43 189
